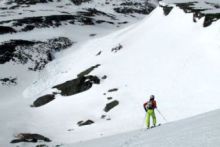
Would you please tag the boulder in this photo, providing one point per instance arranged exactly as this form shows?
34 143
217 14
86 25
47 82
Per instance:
77 85
27 137
43 100
83 123
111 105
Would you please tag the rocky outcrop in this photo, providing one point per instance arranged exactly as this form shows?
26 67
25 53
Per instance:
86 17
27 137
19 3
36 52
91 12
5 30
198 13
130 7
30 23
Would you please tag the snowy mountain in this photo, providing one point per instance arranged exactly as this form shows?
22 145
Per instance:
84 75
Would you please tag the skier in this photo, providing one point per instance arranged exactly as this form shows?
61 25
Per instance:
149 107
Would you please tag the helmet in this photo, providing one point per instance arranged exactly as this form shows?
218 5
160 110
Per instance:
152 97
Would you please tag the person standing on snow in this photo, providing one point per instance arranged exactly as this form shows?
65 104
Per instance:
149 107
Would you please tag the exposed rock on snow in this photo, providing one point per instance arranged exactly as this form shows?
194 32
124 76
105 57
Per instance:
87 71
113 90
89 12
43 100
30 23
166 9
109 98
37 52
199 12
77 85
79 2
17 3
27 137
5 30
83 123
111 105
9 81
130 7
117 48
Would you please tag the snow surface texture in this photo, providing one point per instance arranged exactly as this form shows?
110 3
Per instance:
169 56
199 131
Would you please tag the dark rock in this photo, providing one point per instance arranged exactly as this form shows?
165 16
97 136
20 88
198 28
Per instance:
104 77
166 9
80 84
103 116
111 105
124 22
93 79
5 30
26 2
30 23
117 48
92 35
87 71
109 98
129 10
108 119
57 44
7 49
27 137
42 145
104 21
9 81
79 2
28 28
210 18
83 123
91 12
129 7
198 13
36 52
113 90
99 53
43 100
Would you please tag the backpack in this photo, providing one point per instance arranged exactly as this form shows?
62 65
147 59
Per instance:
149 105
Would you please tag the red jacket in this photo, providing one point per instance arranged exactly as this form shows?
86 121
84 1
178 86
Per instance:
153 106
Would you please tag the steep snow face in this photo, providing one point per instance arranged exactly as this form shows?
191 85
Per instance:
32 31
171 57
202 130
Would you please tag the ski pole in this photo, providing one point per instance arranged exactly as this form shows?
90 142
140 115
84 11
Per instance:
162 115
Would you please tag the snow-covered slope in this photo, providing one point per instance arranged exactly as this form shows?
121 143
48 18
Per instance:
202 130
169 56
